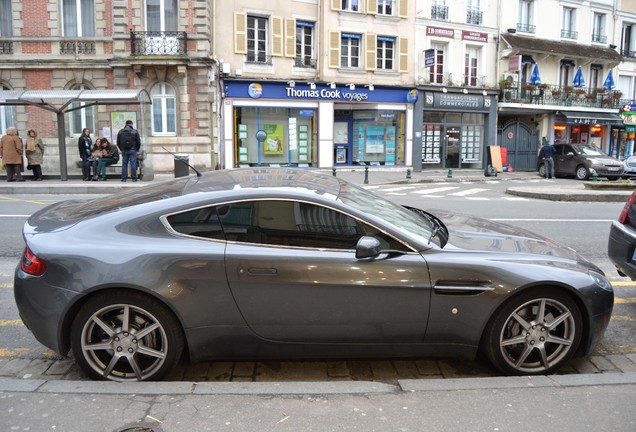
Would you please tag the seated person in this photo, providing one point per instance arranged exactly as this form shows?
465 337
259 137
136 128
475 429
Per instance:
110 156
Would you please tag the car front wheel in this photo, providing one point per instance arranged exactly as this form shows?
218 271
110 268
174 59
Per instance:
126 336
535 333
582 173
542 170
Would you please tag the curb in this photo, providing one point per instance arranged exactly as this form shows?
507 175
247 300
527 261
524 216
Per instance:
570 195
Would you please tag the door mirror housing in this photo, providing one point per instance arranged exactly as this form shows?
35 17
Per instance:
368 247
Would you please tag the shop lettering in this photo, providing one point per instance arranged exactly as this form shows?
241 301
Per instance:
325 94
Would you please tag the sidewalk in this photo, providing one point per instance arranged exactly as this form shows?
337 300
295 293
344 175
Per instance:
534 187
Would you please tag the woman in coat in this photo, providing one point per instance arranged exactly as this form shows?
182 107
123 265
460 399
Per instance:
11 154
34 154
85 145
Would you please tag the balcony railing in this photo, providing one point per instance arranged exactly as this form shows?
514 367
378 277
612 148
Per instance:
628 53
158 43
304 62
599 38
474 17
561 96
259 59
6 47
439 12
474 81
77 47
526 28
569 34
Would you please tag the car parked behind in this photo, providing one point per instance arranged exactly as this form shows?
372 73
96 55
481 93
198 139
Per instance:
630 167
621 246
583 161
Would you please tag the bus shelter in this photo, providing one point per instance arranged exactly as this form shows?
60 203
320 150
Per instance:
62 102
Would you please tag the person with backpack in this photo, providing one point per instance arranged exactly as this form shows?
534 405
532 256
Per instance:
129 144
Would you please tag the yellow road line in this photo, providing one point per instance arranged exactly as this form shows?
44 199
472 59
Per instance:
6 285
624 283
6 198
623 318
8 323
23 352
618 300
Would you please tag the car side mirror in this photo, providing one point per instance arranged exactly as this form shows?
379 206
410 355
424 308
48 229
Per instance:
570 154
368 247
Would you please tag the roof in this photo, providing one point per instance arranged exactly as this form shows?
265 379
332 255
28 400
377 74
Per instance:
530 45
49 98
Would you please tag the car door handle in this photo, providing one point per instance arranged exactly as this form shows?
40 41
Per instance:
253 271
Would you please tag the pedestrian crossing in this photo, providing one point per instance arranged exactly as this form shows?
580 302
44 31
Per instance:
466 190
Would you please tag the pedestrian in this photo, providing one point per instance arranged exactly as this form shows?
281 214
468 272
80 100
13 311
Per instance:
11 154
547 153
129 143
84 145
96 153
34 154
110 155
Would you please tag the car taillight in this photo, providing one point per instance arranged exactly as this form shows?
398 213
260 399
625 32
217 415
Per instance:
31 264
624 216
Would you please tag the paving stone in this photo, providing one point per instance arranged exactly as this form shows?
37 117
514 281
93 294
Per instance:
406 369
603 364
315 371
631 356
581 365
243 369
384 371
14 367
60 367
338 369
274 371
360 370
196 371
623 363
427 367
37 368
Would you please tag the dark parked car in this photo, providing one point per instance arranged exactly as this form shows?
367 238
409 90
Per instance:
621 247
261 263
582 161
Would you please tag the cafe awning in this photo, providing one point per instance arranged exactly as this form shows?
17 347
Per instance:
64 101
586 117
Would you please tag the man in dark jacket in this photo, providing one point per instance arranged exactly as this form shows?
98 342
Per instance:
548 152
129 143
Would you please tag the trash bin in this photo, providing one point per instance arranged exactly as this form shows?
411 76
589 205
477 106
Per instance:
181 168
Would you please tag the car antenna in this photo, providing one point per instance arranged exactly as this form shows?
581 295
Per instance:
175 156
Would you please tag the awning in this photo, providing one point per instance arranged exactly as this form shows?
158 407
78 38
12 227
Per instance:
586 117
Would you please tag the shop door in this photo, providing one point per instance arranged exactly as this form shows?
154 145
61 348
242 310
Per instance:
452 150
342 146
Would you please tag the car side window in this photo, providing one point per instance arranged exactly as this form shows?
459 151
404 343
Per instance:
202 222
298 224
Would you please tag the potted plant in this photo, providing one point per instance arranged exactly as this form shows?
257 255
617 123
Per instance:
543 86
568 89
505 83
600 90
529 87
579 91
606 101
617 94
556 92
590 96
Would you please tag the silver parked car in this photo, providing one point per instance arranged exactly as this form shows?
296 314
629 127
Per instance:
583 161
262 263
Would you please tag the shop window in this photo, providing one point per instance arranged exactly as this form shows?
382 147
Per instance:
164 116
6 115
275 137
81 118
78 17
386 52
377 137
350 50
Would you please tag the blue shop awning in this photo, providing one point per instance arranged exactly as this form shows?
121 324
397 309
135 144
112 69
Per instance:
586 117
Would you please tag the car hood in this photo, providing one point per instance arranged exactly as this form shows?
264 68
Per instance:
604 160
476 234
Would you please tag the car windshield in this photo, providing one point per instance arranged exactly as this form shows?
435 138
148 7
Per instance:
589 150
404 220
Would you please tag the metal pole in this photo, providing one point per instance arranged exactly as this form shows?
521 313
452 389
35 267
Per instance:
61 138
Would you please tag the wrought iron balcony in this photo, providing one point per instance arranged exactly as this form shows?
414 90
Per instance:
545 94
439 12
569 34
77 47
526 28
474 80
6 47
628 53
599 38
474 17
158 43
259 58
305 62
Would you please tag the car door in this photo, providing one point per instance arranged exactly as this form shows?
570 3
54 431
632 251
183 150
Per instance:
565 160
295 278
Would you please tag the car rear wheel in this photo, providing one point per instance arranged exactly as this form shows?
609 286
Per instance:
582 173
126 336
535 333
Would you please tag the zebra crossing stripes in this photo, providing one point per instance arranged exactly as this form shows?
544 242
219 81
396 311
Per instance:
437 190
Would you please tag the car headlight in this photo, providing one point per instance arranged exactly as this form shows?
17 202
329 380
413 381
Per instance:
596 162
600 281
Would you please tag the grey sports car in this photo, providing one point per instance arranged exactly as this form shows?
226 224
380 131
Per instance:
273 263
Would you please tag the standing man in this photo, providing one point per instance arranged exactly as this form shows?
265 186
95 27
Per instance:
547 152
129 143
11 154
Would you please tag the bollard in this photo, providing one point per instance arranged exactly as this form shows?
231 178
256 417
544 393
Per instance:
333 172
594 177
408 173
450 174
366 175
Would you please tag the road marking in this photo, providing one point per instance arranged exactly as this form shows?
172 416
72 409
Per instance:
6 285
468 192
624 283
435 190
10 323
624 300
6 198
478 198
515 198
10 216
623 318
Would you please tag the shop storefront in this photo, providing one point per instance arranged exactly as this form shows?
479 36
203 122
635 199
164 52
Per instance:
456 129
316 125
591 128
624 136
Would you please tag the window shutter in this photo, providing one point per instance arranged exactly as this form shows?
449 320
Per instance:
403 63
372 7
277 36
240 32
403 8
371 51
334 49
336 5
290 37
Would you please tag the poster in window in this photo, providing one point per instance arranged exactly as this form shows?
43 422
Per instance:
375 139
341 155
390 145
274 141
242 131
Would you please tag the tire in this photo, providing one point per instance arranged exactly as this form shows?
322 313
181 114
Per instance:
534 333
582 173
148 345
542 170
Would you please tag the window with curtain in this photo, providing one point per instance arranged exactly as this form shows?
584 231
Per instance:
350 50
386 50
6 24
351 5
385 7
436 72
78 17
304 44
162 15
471 64
82 117
164 114
6 115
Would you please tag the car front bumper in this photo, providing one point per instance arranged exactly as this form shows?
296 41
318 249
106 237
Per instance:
620 249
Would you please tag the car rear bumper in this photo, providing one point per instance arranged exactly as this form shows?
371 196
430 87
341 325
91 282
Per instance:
620 248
